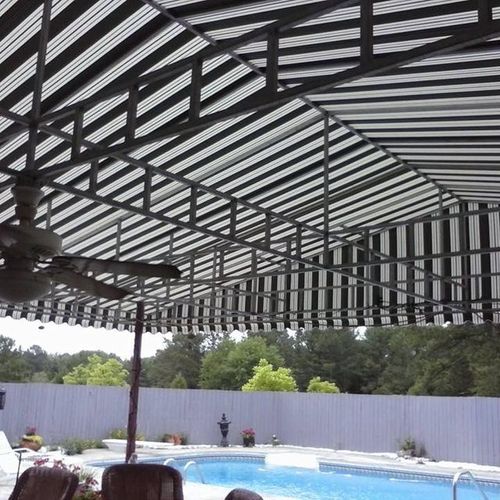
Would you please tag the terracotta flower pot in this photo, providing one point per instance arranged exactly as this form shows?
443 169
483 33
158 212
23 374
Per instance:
31 445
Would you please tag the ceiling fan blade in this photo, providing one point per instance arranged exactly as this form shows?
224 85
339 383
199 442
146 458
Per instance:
142 269
87 284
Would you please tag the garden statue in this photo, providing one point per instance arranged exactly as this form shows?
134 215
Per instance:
224 429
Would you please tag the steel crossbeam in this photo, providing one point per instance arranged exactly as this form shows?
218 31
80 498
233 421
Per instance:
191 223
262 101
301 15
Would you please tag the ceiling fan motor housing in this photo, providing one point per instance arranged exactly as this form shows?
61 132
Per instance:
27 199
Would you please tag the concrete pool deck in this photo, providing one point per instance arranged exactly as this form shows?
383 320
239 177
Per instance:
196 491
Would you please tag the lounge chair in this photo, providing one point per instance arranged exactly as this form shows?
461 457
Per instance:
10 460
44 483
242 494
15 460
140 481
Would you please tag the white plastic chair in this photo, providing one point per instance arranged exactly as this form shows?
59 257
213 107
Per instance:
14 461
10 460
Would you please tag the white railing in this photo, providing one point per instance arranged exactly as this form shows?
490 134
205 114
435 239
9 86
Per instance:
456 478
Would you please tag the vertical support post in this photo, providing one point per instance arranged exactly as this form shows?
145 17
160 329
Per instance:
193 202
466 282
442 285
76 143
288 265
366 35
326 189
298 240
221 263
94 168
253 298
38 85
48 216
133 100
267 234
195 97
148 176
366 270
411 253
233 208
118 245
134 381
192 263
272 62
170 253
484 11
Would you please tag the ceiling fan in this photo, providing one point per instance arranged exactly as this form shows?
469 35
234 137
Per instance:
32 258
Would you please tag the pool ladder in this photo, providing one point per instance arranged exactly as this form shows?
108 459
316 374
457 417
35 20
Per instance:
190 464
456 479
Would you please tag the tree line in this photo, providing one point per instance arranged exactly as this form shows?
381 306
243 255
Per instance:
431 360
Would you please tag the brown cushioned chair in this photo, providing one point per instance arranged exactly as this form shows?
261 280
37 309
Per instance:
141 482
242 494
45 483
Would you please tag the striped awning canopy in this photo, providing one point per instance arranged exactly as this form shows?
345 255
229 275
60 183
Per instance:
303 162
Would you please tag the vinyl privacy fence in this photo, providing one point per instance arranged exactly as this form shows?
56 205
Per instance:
461 429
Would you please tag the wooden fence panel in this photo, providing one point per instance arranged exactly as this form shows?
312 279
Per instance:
462 429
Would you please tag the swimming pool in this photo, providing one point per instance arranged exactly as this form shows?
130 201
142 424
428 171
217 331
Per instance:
331 482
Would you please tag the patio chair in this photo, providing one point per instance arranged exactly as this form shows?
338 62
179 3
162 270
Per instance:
16 460
10 460
242 494
45 483
141 481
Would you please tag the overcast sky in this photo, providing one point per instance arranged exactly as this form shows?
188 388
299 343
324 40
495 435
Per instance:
72 339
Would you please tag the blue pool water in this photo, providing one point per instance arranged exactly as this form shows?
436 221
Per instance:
332 482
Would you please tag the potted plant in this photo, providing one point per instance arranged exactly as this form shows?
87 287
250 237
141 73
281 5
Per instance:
248 437
31 439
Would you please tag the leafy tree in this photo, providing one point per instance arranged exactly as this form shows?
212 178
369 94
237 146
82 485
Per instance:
398 364
441 364
98 372
38 360
59 365
317 385
231 364
179 382
13 368
182 354
330 354
267 379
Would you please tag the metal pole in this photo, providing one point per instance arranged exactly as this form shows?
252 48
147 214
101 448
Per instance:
134 382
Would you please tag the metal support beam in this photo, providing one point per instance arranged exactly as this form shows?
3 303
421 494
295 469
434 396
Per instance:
366 27
376 66
233 212
148 177
272 63
94 170
193 202
326 188
38 85
133 101
195 97
298 16
77 134
178 221
485 14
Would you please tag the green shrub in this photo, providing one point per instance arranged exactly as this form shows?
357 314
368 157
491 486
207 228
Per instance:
122 434
75 446
318 385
